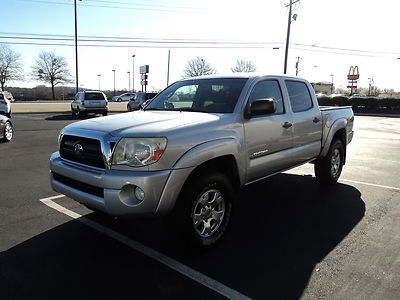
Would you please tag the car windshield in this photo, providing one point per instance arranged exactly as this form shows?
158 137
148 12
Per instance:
94 96
200 95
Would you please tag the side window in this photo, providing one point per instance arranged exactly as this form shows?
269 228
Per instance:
299 96
268 89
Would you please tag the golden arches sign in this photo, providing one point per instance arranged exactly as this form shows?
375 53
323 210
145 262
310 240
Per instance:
354 73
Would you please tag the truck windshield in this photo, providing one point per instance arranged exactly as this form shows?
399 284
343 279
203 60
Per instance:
217 95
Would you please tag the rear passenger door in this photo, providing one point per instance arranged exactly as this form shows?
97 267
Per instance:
267 136
307 121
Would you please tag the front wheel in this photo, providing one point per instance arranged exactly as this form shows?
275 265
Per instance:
129 108
204 208
328 169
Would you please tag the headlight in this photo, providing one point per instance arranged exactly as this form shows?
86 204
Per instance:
138 152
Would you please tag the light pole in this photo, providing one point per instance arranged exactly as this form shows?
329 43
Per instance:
114 81
129 80
169 58
332 84
99 75
76 47
133 73
288 32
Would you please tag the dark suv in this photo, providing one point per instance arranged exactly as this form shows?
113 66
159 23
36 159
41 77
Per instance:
139 99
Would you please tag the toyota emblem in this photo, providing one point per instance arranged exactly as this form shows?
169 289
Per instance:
78 149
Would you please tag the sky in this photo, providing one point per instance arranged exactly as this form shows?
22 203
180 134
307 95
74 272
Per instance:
329 36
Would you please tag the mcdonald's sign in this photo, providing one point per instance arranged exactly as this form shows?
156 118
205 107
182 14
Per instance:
354 73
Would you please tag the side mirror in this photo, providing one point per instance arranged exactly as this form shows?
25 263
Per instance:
261 107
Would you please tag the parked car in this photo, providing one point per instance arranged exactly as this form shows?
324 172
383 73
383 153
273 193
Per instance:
139 99
6 129
123 97
89 102
195 145
5 105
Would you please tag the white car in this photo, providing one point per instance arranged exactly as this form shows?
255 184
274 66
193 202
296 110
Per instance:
123 97
89 102
5 105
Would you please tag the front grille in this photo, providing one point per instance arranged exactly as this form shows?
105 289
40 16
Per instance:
82 150
84 187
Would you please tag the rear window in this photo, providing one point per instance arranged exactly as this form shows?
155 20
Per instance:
94 96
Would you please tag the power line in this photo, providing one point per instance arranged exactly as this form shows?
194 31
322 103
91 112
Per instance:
112 41
149 7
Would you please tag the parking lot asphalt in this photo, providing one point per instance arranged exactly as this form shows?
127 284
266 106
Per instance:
289 238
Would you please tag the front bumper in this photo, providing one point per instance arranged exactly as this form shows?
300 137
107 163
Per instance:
110 191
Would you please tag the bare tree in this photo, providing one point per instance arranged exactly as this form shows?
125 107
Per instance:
244 66
50 68
198 66
10 65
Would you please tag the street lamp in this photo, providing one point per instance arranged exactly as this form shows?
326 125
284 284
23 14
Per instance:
133 73
169 58
99 75
332 84
76 47
129 80
114 81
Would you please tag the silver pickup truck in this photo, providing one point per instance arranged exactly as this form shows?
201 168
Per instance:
191 149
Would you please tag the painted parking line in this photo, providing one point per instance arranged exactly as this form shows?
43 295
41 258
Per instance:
295 172
372 184
149 252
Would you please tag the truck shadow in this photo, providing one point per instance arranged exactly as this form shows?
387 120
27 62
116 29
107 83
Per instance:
282 227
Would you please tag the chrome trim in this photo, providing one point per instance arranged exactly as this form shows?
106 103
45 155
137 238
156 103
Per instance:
105 140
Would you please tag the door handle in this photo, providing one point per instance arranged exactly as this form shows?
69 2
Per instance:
287 125
316 120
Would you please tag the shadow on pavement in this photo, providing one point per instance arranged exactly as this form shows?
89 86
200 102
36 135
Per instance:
282 227
67 117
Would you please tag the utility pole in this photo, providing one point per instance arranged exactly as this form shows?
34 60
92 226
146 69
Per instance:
297 64
129 80
332 84
288 32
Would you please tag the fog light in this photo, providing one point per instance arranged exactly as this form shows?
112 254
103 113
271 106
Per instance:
139 193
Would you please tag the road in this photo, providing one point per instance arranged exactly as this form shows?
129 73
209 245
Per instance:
290 238
36 107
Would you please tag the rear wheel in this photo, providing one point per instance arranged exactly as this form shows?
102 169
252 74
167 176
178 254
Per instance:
328 169
8 132
105 113
129 108
204 208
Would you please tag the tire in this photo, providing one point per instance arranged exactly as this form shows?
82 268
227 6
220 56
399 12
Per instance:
105 113
204 209
78 113
328 170
8 132
119 100
129 108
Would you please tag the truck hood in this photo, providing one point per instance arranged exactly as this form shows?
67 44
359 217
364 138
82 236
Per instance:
144 122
